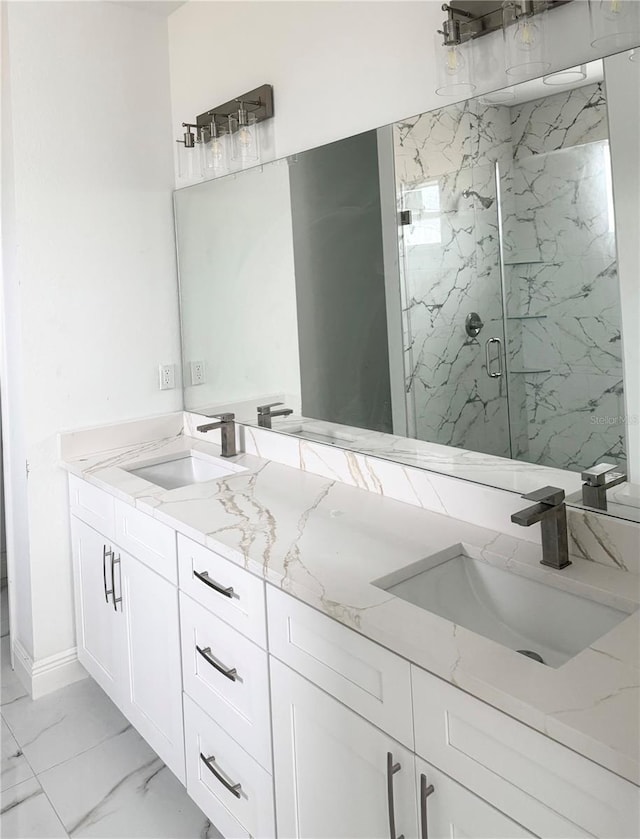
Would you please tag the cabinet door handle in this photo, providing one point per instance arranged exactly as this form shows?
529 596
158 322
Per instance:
392 768
229 672
105 554
234 789
206 579
115 560
425 792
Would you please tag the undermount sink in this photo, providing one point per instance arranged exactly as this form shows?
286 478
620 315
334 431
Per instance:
184 469
518 612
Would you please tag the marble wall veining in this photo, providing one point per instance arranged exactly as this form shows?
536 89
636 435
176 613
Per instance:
562 325
449 263
562 294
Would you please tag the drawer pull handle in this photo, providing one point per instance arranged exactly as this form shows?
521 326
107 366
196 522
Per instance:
392 768
425 792
234 789
229 672
115 560
105 554
206 579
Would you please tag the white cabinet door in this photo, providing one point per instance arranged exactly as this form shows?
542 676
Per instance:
331 768
97 625
448 809
153 682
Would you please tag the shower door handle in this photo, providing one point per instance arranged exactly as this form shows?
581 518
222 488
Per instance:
487 353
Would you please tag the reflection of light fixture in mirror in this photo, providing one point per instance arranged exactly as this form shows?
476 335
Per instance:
615 24
189 162
246 146
454 58
573 75
524 39
499 97
215 151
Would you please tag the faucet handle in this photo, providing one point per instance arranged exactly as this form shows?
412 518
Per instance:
265 409
597 475
553 496
224 417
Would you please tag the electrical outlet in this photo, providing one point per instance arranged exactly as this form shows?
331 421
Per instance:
167 376
197 373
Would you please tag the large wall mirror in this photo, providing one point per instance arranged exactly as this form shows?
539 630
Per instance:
448 283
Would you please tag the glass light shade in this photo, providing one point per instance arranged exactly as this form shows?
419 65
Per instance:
246 140
615 24
455 68
215 153
499 97
525 43
571 76
189 162
634 54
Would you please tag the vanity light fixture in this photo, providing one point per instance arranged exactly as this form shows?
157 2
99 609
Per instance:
615 24
224 133
633 55
467 20
572 76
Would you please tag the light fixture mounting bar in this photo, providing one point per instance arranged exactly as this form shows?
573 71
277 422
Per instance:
258 101
484 16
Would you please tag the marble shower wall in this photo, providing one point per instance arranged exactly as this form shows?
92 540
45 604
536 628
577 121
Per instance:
562 301
563 306
449 261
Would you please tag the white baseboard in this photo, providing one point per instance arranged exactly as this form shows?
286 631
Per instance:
47 674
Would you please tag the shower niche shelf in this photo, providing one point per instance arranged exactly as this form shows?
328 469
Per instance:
528 372
526 317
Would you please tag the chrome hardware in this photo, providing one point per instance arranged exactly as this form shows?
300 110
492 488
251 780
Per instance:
227 428
392 768
114 561
425 791
265 414
234 789
551 512
487 355
204 577
105 554
473 324
230 673
594 490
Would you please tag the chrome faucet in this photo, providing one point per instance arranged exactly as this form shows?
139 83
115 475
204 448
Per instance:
227 428
594 489
551 512
265 414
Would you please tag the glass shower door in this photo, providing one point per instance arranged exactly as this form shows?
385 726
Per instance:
453 331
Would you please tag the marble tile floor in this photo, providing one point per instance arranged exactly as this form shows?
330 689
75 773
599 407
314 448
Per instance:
72 766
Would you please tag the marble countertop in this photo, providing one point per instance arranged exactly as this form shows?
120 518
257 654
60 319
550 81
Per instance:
324 543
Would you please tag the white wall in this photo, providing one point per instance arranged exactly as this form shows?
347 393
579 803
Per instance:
622 79
337 68
89 266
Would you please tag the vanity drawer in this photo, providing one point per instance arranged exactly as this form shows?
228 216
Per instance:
545 786
227 590
372 681
91 505
247 812
148 540
238 701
